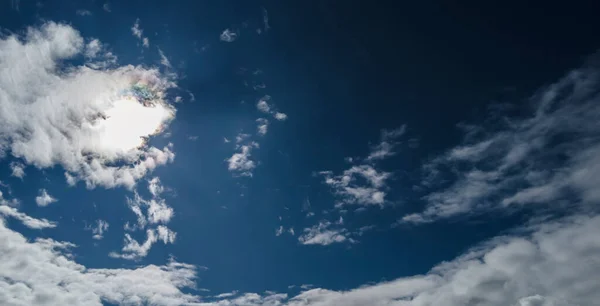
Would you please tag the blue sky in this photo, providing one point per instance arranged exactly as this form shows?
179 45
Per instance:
298 153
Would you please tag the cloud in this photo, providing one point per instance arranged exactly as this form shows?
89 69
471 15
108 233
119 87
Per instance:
240 162
228 35
553 264
133 250
263 125
44 199
385 148
28 221
322 234
18 170
549 156
362 185
265 19
163 59
157 211
226 295
99 229
263 106
92 122
279 231
83 13
65 282
280 116
138 32
106 7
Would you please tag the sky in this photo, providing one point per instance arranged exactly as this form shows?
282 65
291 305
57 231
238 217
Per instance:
299 153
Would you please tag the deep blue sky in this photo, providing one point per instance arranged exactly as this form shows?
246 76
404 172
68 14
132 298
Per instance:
342 71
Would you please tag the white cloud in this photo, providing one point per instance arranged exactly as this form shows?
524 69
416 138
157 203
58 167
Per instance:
240 162
139 32
99 229
155 187
322 234
263 104
263 125
93 122
385 148
25 219
41 272
546 157
157 209
163 59
225 140
18 169
279 231
44 199
133 250
362 185
280 116
228 35
226 295
106 7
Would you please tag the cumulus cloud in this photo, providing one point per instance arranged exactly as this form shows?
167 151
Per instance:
17 169
549 156
228 35
362 185
264 106
263 125
240 162
44 199
323 234
65 282
93 122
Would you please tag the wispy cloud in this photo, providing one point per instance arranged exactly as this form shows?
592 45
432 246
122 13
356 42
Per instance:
83 13
547 157
324 233
98 229
138 32
228 35
388 142
28 221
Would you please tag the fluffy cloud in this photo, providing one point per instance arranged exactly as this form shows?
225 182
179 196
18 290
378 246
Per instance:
17 169
363 185
547 157
240 162
41 272
263 106
91 121
44 199
263 125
